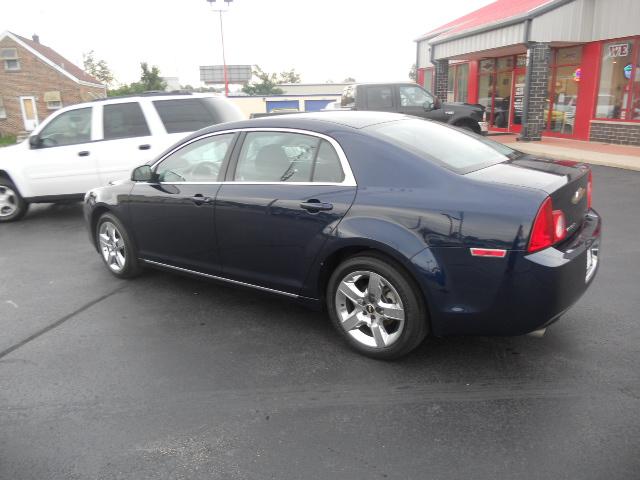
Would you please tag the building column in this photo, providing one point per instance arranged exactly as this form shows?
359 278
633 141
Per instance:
442 79
535 91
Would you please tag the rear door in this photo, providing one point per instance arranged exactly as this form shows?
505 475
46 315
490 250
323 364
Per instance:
175 216
285 193
127 140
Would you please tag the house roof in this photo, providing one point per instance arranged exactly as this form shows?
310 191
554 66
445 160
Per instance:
56 60
494 13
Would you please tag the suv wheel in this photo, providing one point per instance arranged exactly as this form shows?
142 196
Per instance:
12 205
116 248
376 307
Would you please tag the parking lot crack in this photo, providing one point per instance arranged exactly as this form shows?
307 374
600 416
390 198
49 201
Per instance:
58 322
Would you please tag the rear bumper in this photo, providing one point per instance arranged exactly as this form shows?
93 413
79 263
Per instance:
513 295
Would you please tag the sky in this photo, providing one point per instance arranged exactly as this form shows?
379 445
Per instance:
326 40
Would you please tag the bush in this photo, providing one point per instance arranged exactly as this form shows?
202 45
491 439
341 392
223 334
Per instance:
7 140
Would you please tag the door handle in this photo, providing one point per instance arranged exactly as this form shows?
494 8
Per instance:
200 199
146 146
83 153
314 205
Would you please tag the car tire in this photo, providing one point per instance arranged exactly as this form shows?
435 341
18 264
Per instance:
376 307
12 206
116 247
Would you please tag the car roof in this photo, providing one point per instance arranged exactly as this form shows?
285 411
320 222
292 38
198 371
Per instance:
320 122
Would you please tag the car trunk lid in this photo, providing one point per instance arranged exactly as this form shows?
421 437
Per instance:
565 182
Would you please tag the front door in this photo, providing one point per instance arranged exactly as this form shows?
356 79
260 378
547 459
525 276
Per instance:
285 195
174 215
414 100
64 162
29 113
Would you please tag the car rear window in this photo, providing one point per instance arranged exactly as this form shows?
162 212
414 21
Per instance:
191 114
448 146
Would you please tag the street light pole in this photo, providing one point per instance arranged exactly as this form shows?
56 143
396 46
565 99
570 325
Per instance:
224 60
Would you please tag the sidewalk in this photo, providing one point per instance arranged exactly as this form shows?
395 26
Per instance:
607 154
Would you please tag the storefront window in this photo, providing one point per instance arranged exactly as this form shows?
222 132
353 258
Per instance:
616 86
569 56
451 83
458 80
521 61
462 83
505 63
428 79
487 66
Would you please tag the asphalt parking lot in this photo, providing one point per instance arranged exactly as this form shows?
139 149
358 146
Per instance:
171 377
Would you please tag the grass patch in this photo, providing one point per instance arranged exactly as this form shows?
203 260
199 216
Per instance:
8 140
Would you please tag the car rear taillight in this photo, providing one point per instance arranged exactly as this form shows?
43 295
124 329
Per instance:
589 189
549 227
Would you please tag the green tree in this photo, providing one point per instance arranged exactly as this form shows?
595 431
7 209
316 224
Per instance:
413 73
264 83
349 80
290 76
97 68
149 80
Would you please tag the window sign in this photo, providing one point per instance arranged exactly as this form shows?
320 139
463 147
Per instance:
577 74
627 71
619 50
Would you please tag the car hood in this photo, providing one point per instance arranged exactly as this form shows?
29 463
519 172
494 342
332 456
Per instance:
533 172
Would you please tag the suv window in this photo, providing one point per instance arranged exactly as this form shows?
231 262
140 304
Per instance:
68 128
287 157
124 120
191 114
379 97
199 161
412 96
348 97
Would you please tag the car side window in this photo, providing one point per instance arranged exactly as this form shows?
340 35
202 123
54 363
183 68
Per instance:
68 128
379 97
124 120
327 168
411 96
287 157
200 161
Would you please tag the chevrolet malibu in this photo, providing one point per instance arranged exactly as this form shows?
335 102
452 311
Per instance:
399 227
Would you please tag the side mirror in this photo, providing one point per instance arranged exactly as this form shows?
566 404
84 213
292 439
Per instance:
428 106
142 173
34 141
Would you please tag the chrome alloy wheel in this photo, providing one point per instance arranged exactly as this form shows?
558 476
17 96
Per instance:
112 246
370 309
8 201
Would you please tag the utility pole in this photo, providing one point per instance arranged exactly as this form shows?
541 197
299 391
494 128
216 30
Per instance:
224 60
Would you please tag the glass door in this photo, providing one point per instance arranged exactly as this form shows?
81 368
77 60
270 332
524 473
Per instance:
564 83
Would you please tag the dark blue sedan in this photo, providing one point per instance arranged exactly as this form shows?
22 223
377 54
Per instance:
398 226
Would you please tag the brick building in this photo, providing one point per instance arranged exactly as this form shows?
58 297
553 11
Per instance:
35 81
563 68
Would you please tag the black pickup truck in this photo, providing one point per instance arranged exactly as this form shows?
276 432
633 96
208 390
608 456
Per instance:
412 99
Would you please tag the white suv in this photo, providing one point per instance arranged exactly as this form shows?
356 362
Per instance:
91 144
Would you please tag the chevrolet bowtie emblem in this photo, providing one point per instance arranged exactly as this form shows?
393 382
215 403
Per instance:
577 196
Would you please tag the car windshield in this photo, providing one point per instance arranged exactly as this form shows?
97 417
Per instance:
454 149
